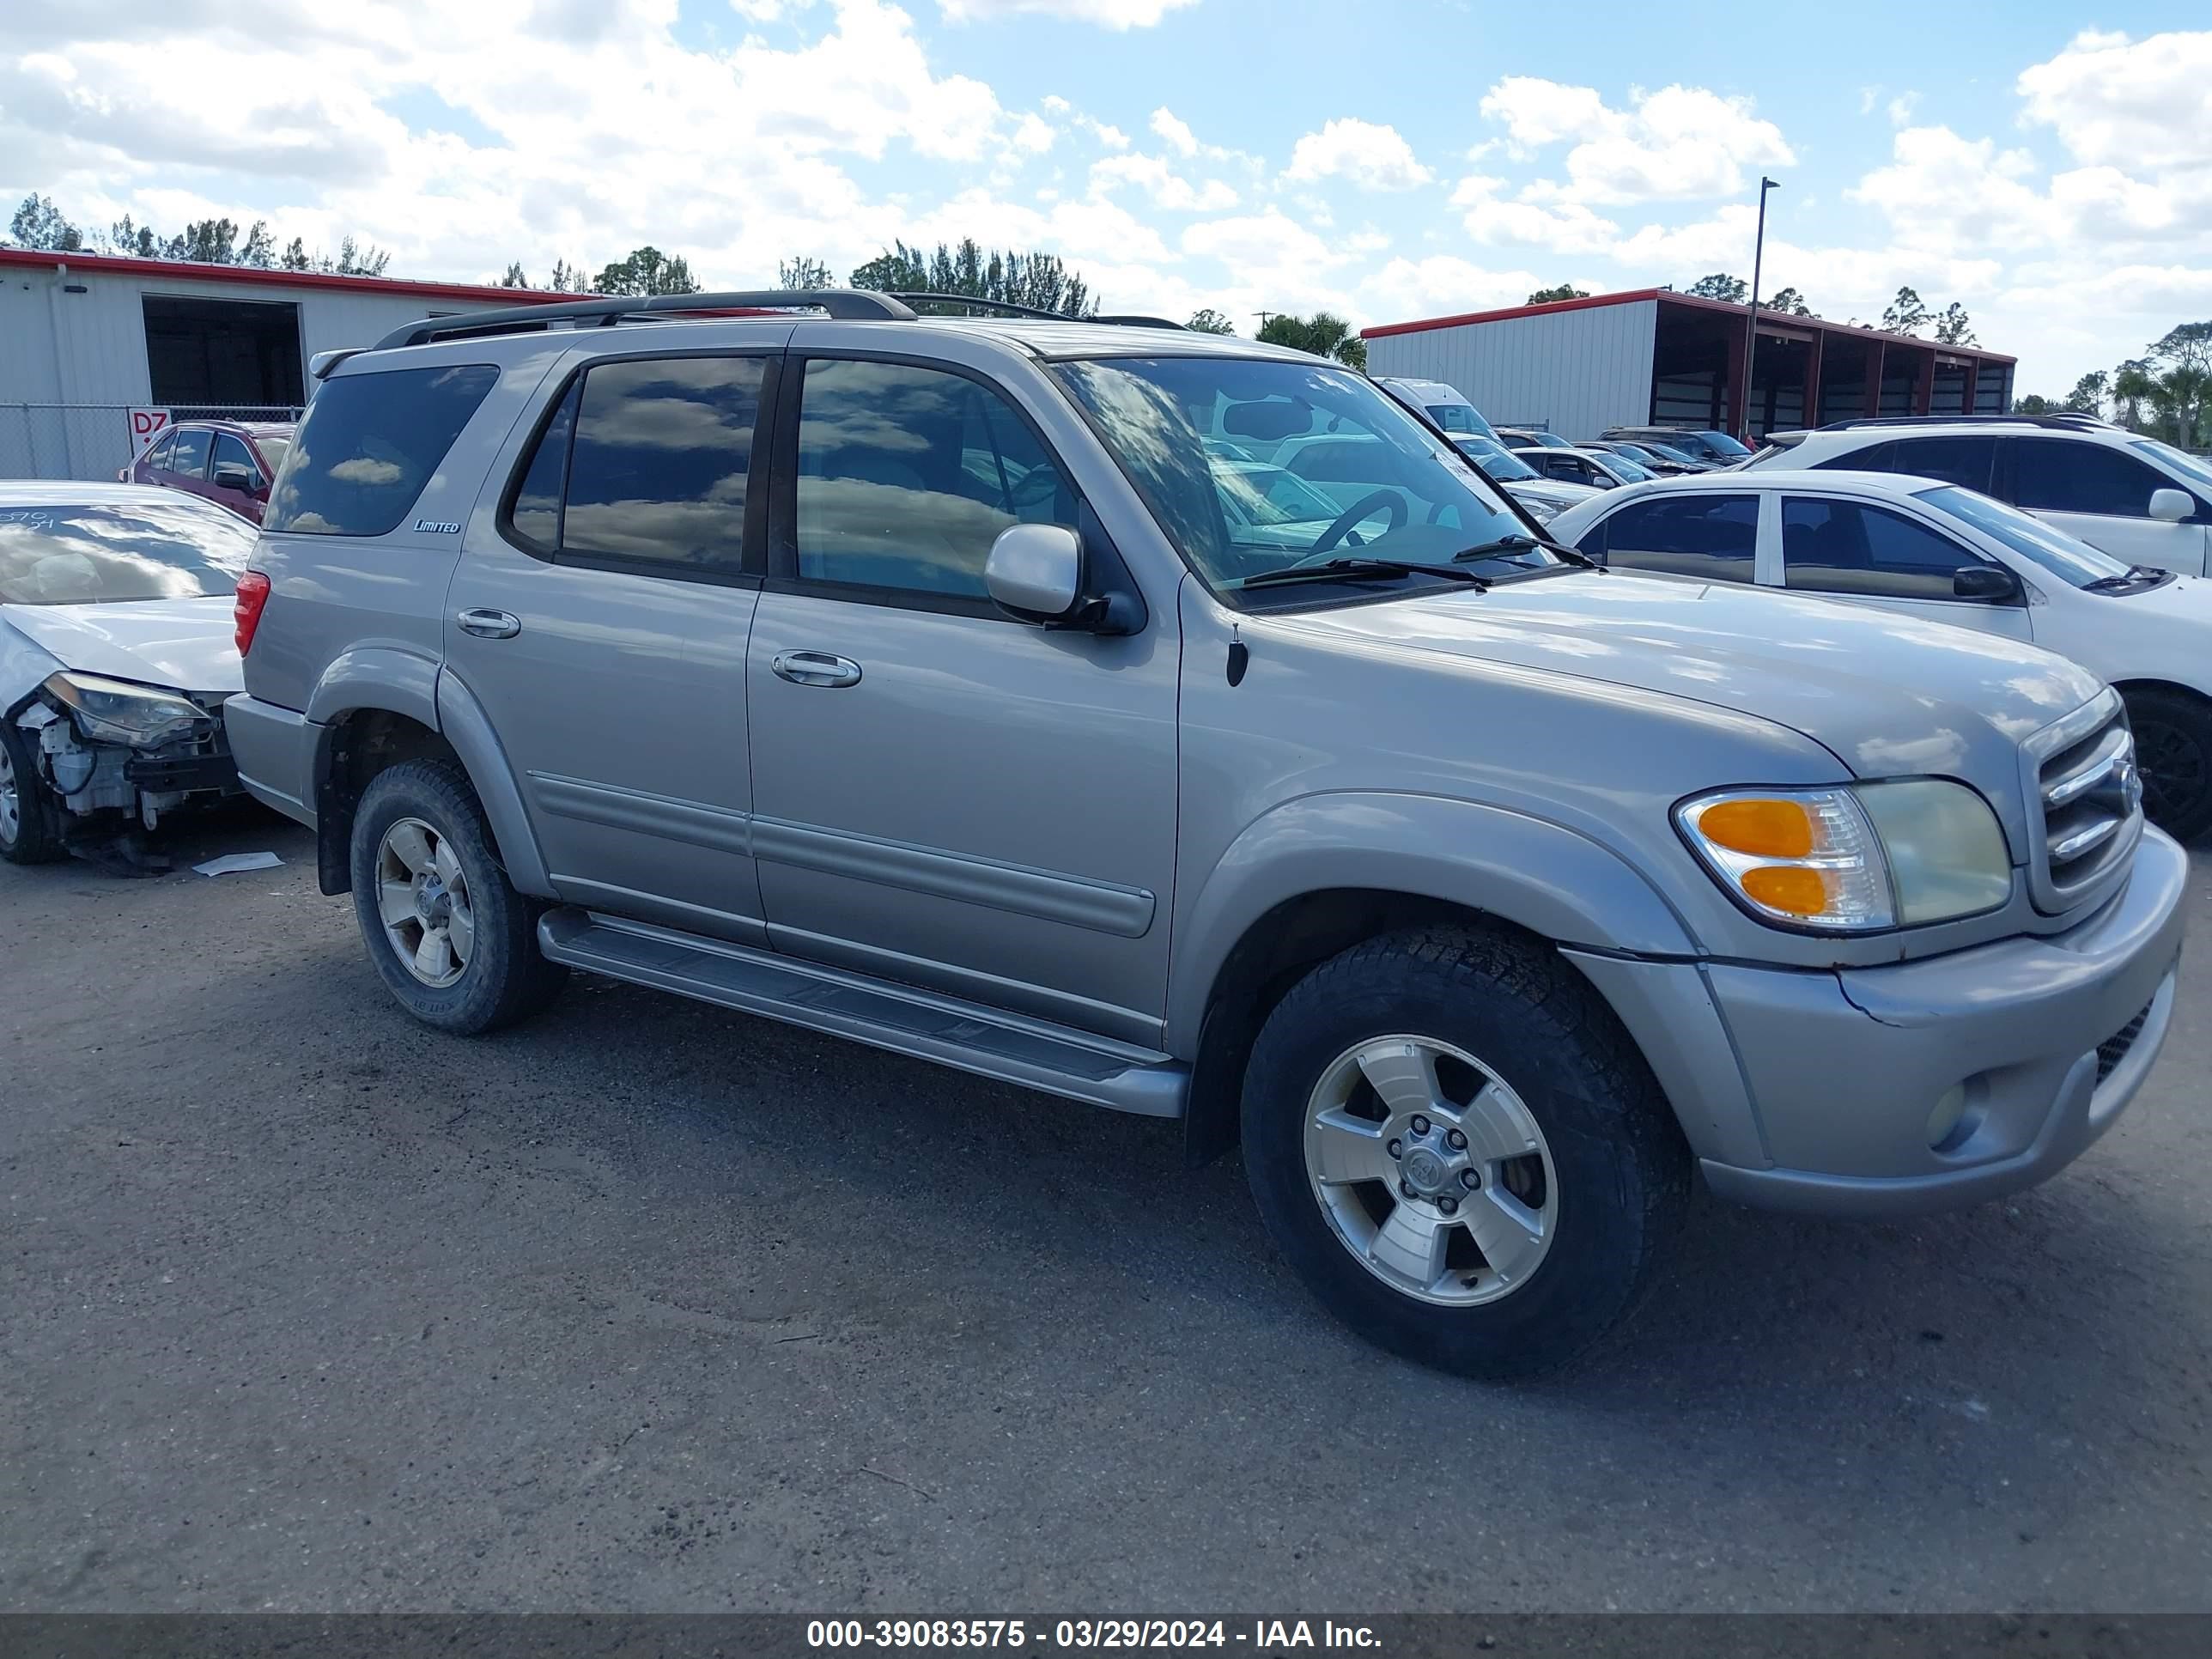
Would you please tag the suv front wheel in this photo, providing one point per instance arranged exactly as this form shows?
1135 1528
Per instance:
450 937
1456 1146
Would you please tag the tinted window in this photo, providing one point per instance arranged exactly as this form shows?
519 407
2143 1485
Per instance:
2064 556
369 444
659 464
1846 547
190 456
273 452
163 448
231 452
535 513
1963 461
907 475
1712 537
92 555
2058 476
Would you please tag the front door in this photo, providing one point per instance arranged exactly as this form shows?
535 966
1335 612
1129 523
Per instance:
1853 550
948 797
2102 495
604 630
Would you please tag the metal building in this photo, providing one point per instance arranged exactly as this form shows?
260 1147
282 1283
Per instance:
1654 357
85 339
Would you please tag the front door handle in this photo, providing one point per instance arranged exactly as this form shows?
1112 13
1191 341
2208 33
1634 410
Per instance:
815 668
490 624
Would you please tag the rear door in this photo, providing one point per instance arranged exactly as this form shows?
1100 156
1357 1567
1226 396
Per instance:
1852 549
604 629
2102 493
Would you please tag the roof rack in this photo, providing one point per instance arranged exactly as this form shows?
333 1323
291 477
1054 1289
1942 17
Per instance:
1008 308
851 303
2064 422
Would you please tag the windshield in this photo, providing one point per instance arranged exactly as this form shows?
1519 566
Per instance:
1502 465
1668 453
1623 468
1460 417
1718 445
67 553
2195 468
272 450
2071 561
1391 489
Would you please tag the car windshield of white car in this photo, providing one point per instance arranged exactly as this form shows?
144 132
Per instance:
2071 560
78 554
2195 468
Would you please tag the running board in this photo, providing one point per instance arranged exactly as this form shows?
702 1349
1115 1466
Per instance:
1034 1054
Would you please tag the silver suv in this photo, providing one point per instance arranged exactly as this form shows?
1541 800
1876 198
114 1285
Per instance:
979 689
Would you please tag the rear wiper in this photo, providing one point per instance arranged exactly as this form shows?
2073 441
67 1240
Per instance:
1340 569
1516 544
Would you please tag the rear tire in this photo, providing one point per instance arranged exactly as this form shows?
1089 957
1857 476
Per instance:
30 819
2174 747
1519 1249
451 939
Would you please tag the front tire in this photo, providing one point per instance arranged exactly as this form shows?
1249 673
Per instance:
1454 1144
2174 747
30 824
450 938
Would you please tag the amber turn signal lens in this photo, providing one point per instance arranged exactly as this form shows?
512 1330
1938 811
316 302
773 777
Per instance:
1798 892
1764 828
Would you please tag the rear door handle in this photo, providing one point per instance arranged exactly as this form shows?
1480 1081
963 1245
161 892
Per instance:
815 668
490 624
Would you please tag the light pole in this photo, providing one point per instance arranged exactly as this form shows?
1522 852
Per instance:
1751 321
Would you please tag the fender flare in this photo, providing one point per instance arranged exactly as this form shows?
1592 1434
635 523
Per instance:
1555 882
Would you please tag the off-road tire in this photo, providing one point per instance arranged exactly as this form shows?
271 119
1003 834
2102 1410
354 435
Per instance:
1623 1169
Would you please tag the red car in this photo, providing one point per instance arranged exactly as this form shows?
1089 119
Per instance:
231 463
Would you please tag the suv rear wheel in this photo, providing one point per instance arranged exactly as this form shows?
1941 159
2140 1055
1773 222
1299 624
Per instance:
450 937
1452 1141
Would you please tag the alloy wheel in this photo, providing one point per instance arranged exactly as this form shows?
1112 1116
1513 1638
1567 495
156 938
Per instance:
11 800
422 900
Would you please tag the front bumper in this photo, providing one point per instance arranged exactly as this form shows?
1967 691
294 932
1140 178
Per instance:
1812 1091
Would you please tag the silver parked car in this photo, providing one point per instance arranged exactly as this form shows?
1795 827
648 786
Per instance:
936 683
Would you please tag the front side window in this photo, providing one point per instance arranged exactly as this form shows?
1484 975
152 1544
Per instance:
1850 547
229 451
906 475
369 443
190 456
2059 475
1394 490
1714 538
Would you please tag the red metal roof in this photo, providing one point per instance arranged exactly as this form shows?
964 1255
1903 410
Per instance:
253 276
1687 301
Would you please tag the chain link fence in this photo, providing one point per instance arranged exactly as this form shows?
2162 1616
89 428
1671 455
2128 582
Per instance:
99 441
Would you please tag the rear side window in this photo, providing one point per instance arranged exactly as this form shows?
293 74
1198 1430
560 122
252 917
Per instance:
1715 537
1966 462
190 456
2060 475
646 464
369 444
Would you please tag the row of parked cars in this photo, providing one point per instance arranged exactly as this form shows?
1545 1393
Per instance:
1176 724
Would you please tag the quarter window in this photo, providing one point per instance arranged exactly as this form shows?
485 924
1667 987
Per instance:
369 443
1963 461
906 475
190 456
1847 547
1715 537
2058 476
158 456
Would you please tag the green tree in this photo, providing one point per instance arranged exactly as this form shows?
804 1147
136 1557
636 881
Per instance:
1788 303
567 279
134 240
514 278
1040 281
354 260
805 274
1324 334
1906 315
2133 385
2188 345
1952 328
204 242
1207 320
2177 398
2087 397
260 249
295 256
647 270
39 223
1544 296
2035 403
1721 286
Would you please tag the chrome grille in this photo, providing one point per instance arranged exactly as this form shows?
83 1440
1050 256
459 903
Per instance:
2084 803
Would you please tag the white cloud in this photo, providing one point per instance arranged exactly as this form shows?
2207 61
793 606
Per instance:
1035 134
1567 228
1107 13
1441 285
1161 184
1177 134
1359 152
1677 143
2143 105
1901 108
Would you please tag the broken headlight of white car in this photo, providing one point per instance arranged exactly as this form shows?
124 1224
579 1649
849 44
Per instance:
117 711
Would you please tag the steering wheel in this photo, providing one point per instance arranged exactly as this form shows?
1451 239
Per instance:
1389 500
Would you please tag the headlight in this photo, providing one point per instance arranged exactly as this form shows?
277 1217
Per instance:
116 711
1853 860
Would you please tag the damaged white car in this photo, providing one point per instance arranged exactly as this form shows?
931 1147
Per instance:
117 649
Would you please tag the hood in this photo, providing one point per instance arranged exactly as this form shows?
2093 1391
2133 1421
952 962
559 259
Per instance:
1888 695
1552 492
185 645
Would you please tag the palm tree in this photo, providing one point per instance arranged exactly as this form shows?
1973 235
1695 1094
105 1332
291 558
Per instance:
1324 334
2179 396
2132 386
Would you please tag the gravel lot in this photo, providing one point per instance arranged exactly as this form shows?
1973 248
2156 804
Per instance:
650 1306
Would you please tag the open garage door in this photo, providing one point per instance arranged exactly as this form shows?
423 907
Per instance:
217 357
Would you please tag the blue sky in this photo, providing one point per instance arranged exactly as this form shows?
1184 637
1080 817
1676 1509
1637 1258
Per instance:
2048 167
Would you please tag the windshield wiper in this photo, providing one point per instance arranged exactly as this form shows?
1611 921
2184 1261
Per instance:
1516 544
1341 570
2137 575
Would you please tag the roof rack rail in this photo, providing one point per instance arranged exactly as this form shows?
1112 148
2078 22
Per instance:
1008 308
851 303
2064 421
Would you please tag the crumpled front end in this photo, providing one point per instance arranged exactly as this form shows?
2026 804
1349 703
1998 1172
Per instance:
116 758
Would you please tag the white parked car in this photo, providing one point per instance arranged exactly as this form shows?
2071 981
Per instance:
2140 500
1597 469
1543 499
1934 550
1442 402
117 649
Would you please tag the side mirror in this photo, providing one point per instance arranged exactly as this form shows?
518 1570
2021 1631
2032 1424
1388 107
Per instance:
2172 506
234 477
1988 584
1036 571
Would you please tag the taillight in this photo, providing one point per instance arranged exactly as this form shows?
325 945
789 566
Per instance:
252 595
